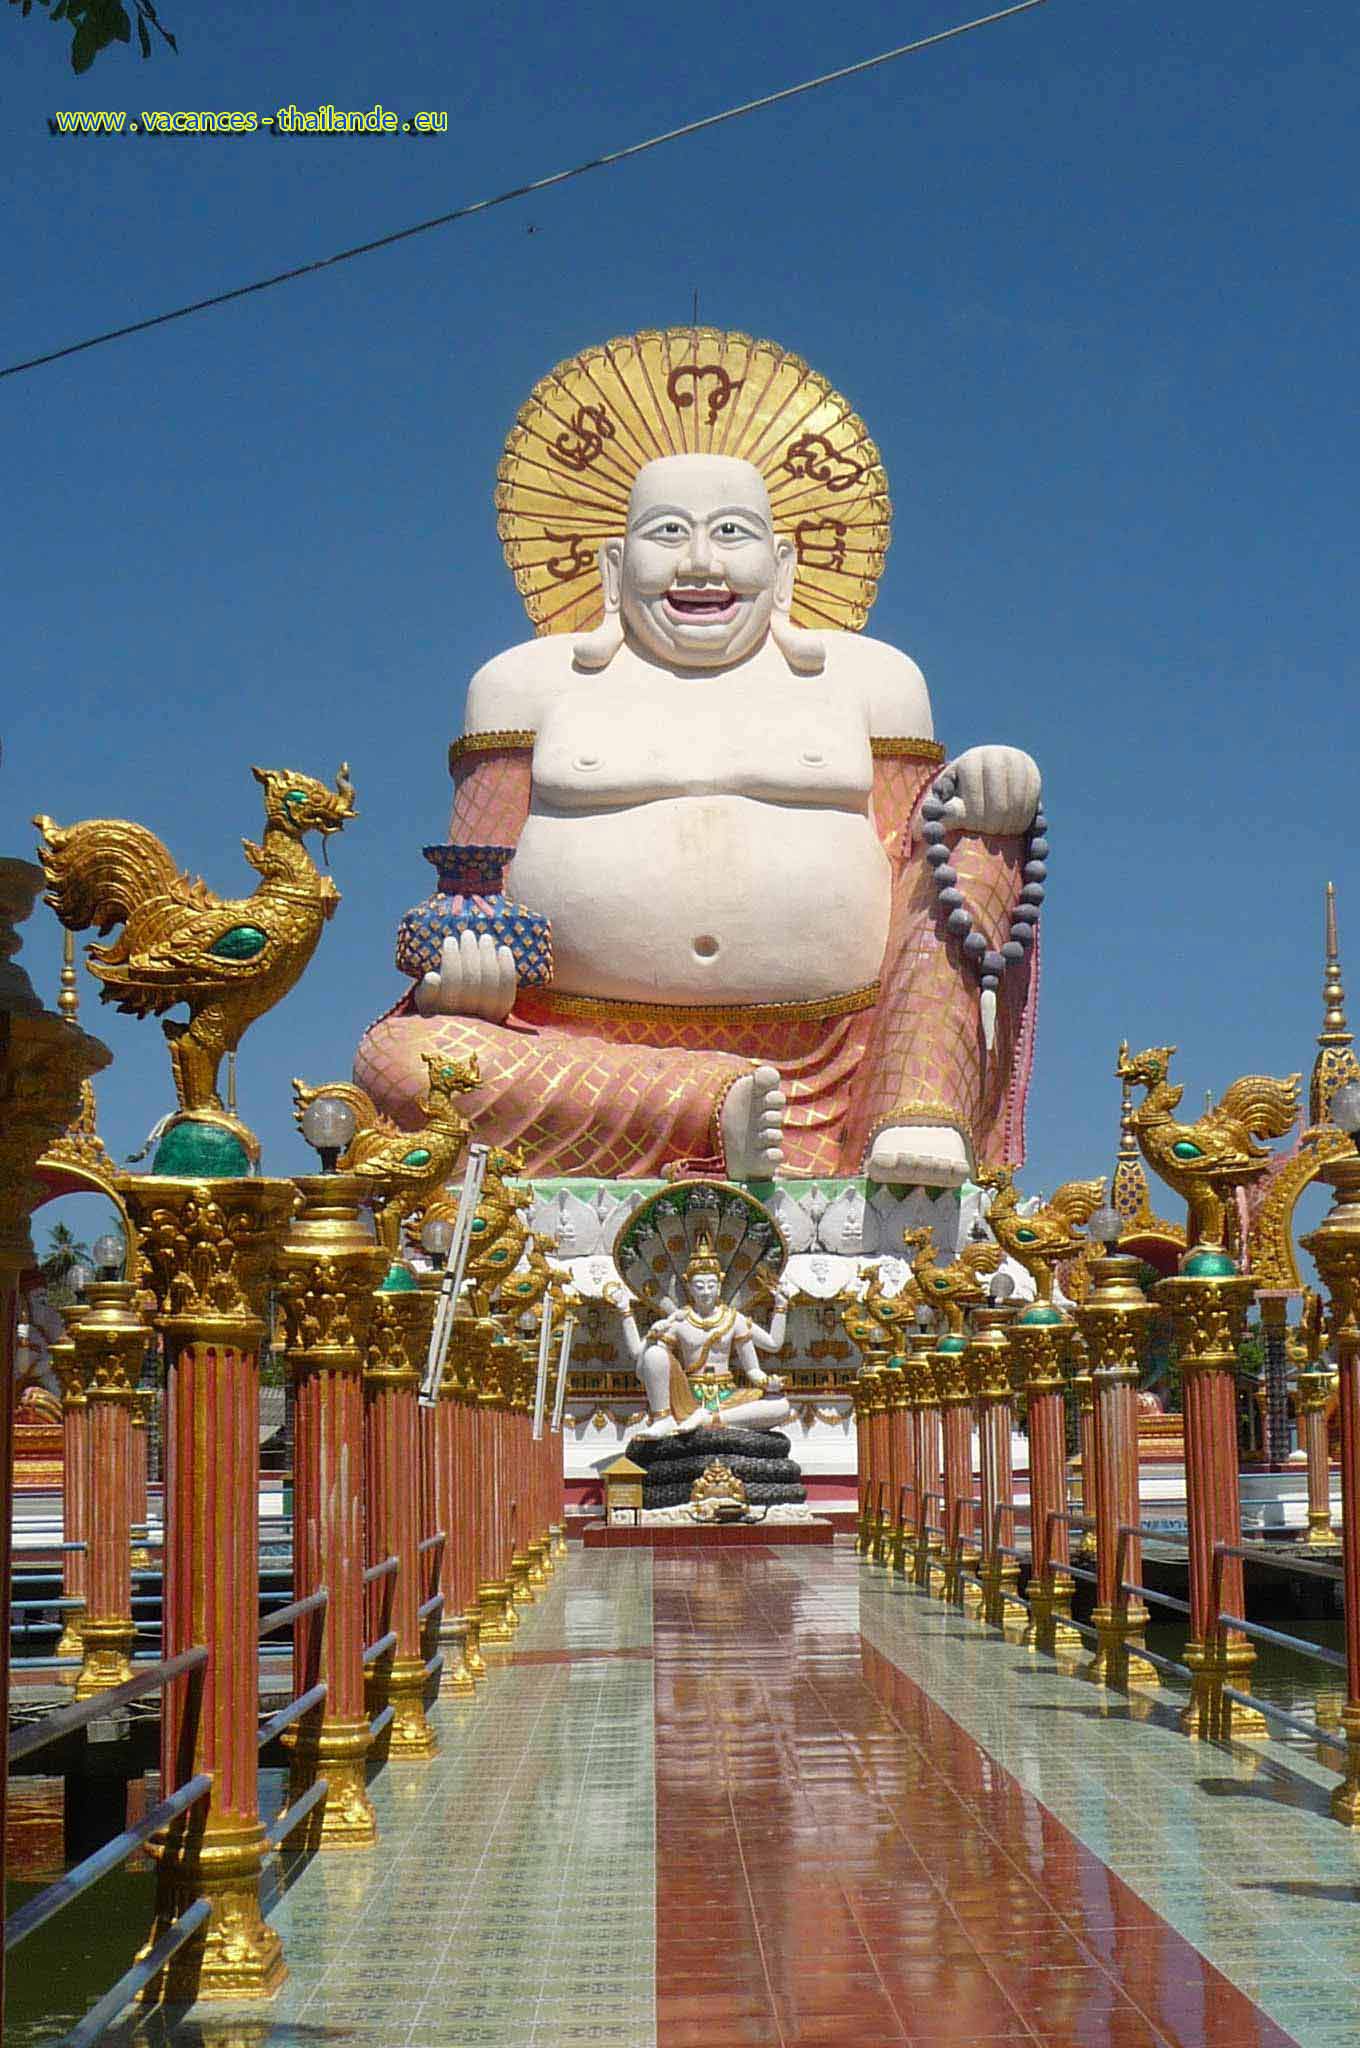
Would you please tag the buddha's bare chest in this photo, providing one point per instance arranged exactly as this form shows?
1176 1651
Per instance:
635 736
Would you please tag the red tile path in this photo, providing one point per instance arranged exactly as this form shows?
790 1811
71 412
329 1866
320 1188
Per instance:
838 1861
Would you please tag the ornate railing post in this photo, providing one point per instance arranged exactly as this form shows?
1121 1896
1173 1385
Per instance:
110 1341
1041 1340
327 1270
143 1402
1084 1395
955 1397
1114 1320
398 1340
43 1060
989 1358
208 1246
1208 1301
444 1506
514 1375
929 1475
75 1482
1335 1245
1313 1393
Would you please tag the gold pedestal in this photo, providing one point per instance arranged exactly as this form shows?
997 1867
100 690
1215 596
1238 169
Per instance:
107 1649
557 1532
237 1954
1117 1665
1346 1796
1050 1629
457 1678
337 1752
472 1644
408 1733
496 1614
521 1584
1210 1717
540 1562
70 1643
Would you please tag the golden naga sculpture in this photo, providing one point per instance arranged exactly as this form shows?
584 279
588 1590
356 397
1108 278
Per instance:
229 960
891 1316
402 1167
1050 1235
1207 1160
499 1230
955 1288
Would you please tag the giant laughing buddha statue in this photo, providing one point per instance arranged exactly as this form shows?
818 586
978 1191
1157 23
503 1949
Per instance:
715 899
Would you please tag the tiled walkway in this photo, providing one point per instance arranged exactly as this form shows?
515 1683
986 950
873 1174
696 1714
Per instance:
764 1797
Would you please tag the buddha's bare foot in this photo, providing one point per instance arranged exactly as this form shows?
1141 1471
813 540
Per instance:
924 1155
657 1426
753 1126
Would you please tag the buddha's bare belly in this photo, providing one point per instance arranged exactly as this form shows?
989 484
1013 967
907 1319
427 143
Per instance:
708 899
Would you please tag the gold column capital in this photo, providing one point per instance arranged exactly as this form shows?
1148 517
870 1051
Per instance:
207 1247
326 1274
110 1342
1114 1318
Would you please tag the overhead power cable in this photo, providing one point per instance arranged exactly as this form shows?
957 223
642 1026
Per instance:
596 163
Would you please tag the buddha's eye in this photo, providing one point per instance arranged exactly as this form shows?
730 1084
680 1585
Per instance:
730 529
667 529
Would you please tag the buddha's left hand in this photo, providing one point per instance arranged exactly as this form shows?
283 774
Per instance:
996 790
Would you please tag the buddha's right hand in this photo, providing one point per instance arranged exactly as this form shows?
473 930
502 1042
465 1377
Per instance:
476 978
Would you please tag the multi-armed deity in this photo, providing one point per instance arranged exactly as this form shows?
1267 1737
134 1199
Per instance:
751 921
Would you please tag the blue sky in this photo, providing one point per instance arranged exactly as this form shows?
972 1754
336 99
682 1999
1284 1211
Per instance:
1090 277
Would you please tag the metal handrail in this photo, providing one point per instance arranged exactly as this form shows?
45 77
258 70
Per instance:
380 1646
384 1570
429 1542
282 1617
283 1823
380 1721
55 1600
1308 1728
36 1912
434 1605
1162 1599
66 1720
1333 1658
294 1711
99 2018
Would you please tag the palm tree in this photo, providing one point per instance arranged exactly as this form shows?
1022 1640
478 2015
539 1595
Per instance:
65 1252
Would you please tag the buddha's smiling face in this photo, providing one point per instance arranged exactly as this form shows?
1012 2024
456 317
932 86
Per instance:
704 1290
699 573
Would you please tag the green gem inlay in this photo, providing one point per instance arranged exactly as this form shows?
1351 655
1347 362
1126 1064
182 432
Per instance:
417 1156
242 942
1185 1150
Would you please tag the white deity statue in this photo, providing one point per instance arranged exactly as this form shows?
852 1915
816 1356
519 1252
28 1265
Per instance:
713 794
690 1360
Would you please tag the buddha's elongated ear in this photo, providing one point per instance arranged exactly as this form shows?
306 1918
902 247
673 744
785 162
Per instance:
804 652
596 650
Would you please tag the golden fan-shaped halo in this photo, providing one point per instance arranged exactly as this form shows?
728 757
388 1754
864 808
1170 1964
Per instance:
591 424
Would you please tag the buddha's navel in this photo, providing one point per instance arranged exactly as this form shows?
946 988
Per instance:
705 947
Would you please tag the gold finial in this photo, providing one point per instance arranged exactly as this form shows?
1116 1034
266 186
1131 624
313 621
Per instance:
68 1002
704 1259
1336 1062
231 1084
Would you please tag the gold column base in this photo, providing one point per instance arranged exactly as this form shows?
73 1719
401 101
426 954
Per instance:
408 1734
338 1752
558 1539
1117 1665
1321 1535
141 1559
236 1954
540 1562
520 1577
71 1643
897 1554
1346 1796
456 1680
107 1649
1209 1717
472 1645
497 1618
1050 1629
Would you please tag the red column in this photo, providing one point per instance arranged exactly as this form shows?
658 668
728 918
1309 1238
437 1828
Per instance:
75 1482
209 1246
392 1511
1335 1245
1208 1300
142 1402
110 1341
1113 1320
957 1413
328 1268
1041 1340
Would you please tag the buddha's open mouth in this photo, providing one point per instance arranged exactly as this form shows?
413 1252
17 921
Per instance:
714 605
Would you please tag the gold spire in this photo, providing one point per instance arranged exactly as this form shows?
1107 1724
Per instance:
1336 1062
68 1001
